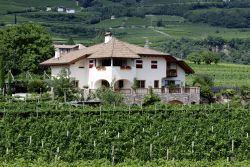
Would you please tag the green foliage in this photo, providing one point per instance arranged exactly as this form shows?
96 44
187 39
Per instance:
26 45
88 133
151 98
108 96
135 84
203 79
225 75
2 76
205 82
71 41
229 93
195 57
36 85
9 90
63 84
231 18
245 92
210 57
128 163
159 23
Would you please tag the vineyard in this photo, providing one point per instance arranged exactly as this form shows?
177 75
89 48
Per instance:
59 132
228 75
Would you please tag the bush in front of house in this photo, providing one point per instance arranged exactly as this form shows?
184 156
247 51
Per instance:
108 96
151 98
36 86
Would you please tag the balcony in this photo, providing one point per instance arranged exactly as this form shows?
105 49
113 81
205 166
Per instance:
171 73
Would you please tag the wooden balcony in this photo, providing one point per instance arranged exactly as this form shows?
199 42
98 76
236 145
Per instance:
171 73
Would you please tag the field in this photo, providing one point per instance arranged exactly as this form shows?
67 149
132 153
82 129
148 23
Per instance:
227 75
58 132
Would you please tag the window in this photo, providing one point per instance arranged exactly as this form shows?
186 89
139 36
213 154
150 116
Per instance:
156 84
106 62
154 64
139 63
91 63
141 83
75 83
171 83
120 84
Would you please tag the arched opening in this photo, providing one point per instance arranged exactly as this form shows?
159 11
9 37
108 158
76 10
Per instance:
175 102
123 86
101 83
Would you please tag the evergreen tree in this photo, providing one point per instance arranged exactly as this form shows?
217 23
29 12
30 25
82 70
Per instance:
1 74
71 41
9 91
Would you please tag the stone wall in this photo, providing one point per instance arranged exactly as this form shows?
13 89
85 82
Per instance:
184 98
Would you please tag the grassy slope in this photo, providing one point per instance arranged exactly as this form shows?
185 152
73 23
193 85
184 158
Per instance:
224 74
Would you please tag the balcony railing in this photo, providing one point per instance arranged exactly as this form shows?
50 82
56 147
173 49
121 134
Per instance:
171 73
144 91
124 91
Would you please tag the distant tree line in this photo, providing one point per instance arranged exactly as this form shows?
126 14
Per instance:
230 18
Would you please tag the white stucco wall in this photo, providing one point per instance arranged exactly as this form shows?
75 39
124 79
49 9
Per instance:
91 77
55 70
150 75
80 74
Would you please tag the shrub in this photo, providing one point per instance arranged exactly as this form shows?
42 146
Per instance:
108 96
36 85
151 99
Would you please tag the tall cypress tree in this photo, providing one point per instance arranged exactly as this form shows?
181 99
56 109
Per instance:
9 91
1 74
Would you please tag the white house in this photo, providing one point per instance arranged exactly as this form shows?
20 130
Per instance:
70 11
118 63
48 9
63 49
60 9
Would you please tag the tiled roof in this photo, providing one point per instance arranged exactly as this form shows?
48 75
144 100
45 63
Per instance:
114 48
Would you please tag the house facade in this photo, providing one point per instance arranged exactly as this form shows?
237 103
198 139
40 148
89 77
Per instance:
123 66
70 11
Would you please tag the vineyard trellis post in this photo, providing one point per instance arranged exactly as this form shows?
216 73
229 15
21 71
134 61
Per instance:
113 154
192 146
167 154
151 151
30 140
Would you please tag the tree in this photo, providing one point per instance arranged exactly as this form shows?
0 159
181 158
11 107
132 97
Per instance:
195 57
108 96
210 57
205 82
159 23
71 41
1 74
9 91
26 45
151 99
63 85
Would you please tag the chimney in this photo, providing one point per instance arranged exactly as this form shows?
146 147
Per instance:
108 37
57 53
